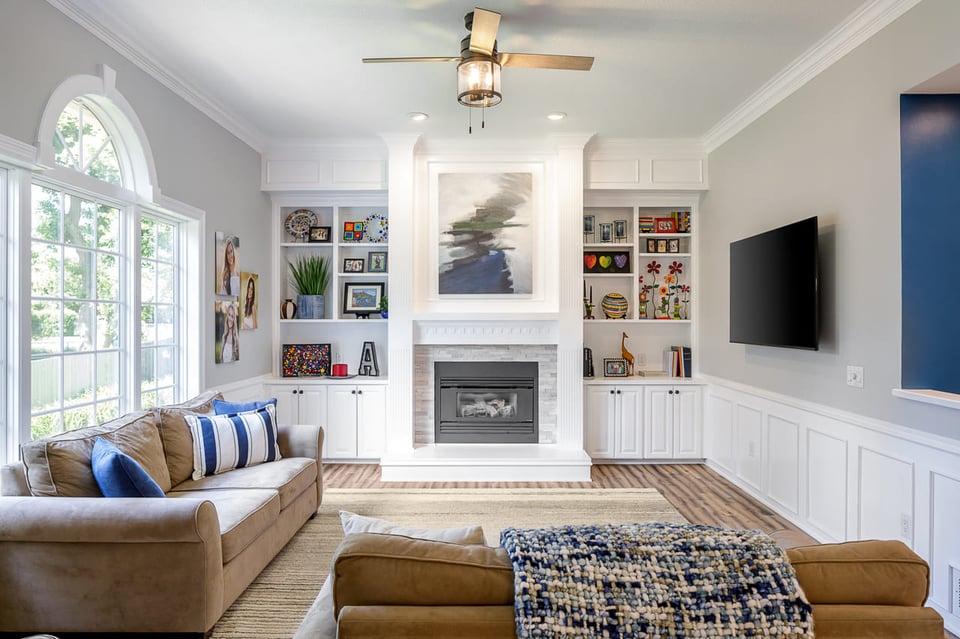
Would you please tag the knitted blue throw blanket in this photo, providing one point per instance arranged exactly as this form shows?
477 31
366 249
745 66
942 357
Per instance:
653 580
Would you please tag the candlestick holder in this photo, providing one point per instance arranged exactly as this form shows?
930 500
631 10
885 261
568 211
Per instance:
587 309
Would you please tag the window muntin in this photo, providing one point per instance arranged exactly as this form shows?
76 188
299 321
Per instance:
83 144
160 344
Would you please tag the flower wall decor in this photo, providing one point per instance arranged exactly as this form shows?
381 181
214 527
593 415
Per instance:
670 297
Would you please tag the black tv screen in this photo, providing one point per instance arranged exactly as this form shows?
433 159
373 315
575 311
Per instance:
774 288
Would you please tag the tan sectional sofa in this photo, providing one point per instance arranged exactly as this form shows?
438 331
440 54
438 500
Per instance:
394 587
74 561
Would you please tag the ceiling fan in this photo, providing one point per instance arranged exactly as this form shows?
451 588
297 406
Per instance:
478 68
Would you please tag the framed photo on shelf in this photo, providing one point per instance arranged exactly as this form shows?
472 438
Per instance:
319 234
673 245
353 265
362 298
661 246
666 225
651 245
353 231
614 367
588 227
606 232
377 262
620 230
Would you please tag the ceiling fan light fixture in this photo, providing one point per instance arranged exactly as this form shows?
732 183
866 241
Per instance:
478 82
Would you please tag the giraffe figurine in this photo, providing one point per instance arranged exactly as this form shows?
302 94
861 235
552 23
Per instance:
625 354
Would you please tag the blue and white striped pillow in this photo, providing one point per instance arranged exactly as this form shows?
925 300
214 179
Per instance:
226 442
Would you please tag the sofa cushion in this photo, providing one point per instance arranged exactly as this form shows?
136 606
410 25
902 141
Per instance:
876 622
221 407
119 475
353 523
289 476
244 515
60 466
175 434
227 442
861 572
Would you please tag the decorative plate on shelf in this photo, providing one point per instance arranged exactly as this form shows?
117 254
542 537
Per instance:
376 228
299 222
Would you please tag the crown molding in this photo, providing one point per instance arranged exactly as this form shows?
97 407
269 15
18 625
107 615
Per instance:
844 38
18 153
123 44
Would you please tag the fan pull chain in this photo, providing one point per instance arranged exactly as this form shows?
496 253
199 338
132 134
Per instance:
483 117
470 121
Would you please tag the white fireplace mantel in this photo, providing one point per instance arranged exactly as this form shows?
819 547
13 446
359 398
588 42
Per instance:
505 329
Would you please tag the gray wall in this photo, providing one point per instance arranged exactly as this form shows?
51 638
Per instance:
831 149
198 162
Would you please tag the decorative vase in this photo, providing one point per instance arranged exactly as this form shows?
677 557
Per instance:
310 306
614 306
383 314
288 310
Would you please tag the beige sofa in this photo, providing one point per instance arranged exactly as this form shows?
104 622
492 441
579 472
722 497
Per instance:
394 587
74 561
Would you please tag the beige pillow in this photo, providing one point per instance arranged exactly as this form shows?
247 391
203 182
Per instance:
59 466
175 434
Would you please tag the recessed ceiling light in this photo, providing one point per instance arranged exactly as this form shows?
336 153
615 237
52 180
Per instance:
417 116
556 115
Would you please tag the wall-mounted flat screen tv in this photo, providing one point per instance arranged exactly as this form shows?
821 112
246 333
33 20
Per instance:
774 287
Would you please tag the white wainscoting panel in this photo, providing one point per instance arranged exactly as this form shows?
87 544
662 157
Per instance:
783 469
856 477
827 483
676 171
886 486
749 443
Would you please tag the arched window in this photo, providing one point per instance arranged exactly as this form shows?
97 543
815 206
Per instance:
108 298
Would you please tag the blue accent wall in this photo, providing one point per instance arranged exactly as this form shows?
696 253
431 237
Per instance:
930 241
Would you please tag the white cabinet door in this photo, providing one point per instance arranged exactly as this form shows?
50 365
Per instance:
658 429
629 441
687 423
371 420
599 421
288 402
340 436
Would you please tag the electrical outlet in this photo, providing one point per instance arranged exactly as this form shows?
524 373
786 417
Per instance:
906 527
855 376
955 589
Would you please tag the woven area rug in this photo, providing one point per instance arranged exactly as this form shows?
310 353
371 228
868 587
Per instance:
274 604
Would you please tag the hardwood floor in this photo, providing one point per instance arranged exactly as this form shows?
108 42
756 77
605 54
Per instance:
701 495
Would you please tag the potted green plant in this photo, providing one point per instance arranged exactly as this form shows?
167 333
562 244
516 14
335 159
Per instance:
383 307
310 277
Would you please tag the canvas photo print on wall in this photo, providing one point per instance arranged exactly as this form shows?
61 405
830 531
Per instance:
227 247
486 233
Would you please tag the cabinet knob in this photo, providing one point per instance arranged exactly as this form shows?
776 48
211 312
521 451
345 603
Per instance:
294 391
618 392
301 391
353 392
360 392
612 391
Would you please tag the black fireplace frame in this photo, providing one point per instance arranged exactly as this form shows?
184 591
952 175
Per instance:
480 377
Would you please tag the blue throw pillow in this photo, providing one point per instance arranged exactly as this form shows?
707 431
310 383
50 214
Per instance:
226 442
119 475
221 407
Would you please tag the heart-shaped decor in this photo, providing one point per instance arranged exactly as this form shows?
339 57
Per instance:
605 261
589 260
620 260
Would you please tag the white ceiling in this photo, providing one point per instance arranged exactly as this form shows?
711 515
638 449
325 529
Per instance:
291 69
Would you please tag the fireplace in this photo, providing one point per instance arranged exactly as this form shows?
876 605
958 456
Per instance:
486 402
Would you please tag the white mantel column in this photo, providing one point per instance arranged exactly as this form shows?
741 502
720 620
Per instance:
400 203
570 343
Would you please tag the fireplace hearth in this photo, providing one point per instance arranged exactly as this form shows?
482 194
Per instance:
486 402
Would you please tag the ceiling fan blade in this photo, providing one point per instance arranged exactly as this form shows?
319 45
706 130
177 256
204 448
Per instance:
483 35
544 61
371 60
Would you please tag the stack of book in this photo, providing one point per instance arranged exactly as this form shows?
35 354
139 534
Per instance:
678 361
681 221
646 224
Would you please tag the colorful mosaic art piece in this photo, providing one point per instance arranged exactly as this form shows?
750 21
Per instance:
305 360
653 580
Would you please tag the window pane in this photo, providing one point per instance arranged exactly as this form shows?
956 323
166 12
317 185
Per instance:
108 228
107 411
166 366
165 244
108 277
45 425
165 283
45 269
108 326
148 375
148 239
45 327
108 375
66 143
148 281
78 418
164 322
105 166
79 326
166 396
79 273
148 400
45 223
79 217
44 384
78 379
148 330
